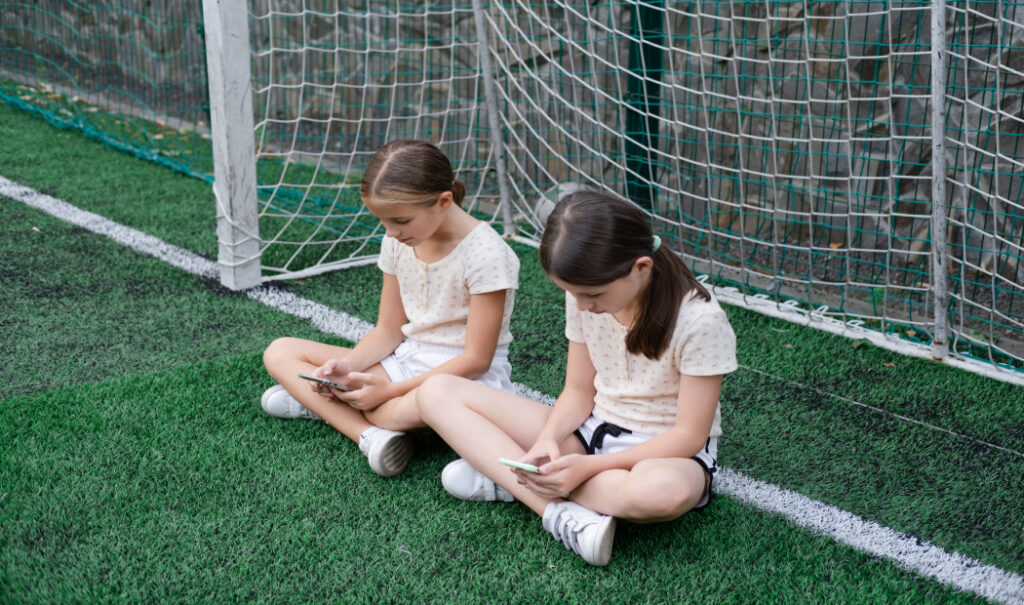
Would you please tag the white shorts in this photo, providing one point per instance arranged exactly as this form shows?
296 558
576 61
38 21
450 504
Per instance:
600 437
413 358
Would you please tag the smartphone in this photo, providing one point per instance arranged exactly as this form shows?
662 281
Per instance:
324 381
520 465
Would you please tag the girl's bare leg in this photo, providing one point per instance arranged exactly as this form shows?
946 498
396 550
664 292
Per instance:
654 490
398 414
285 358
483 424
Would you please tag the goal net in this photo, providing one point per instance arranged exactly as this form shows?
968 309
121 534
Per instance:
789 151
785 149
333 82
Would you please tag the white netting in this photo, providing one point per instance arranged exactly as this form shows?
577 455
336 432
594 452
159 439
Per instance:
784 148
332 84
985 147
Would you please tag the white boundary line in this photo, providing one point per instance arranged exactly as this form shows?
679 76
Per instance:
321 316
866 536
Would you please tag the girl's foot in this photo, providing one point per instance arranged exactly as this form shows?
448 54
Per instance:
277 402
464 482
583 531
387 451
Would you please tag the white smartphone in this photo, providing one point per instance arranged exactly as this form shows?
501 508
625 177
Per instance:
520 465
324 381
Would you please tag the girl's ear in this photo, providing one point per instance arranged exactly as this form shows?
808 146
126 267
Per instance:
643 265
445 200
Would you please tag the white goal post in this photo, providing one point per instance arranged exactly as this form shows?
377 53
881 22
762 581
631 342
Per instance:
234 156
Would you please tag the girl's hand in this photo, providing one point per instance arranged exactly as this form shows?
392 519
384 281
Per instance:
559 477
369 391
335 370
542 452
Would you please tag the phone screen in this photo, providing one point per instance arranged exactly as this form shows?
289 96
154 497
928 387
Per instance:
324 381
516 464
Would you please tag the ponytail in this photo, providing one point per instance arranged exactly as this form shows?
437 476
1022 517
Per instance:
670 283
458 192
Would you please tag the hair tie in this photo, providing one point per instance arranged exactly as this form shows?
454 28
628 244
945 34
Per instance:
657 242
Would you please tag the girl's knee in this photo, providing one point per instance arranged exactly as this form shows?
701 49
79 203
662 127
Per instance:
660 494
281 350
437 393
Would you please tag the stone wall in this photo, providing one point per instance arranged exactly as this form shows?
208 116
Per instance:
144 53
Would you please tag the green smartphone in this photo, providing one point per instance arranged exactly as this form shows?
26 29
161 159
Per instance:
520 465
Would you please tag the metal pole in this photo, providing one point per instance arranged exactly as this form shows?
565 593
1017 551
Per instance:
234 149
646 65
491 98
940 338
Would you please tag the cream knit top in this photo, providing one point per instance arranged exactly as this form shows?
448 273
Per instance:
638 393
436 295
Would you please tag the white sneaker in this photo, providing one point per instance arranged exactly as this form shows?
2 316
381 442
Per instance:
583 531
387 451
277 402
464 482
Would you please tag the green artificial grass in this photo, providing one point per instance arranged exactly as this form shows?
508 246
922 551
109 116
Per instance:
171 206
80 308
174 486
137 463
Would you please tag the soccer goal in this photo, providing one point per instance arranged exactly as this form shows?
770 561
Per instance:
858 166
330 83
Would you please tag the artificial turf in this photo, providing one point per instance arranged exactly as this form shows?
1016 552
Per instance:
137 463
173 486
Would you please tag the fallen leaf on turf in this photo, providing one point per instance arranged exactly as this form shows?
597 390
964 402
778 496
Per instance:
889 365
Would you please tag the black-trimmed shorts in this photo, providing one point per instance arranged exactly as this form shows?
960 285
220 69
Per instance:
600 437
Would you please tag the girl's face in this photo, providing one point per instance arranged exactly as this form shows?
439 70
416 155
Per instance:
410 224
615 296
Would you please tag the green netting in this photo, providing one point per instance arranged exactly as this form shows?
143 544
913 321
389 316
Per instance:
131 74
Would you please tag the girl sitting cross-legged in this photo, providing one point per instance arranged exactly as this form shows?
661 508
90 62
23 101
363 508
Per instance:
449 284
634 433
